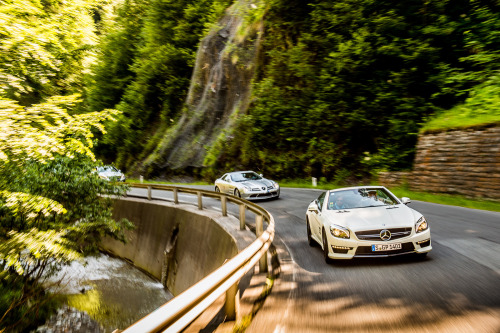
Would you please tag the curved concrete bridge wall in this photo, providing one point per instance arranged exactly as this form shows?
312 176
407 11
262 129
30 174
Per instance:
177 244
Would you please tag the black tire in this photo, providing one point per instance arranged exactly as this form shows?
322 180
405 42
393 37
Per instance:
310 241
217 189
421 256
325 248
237 193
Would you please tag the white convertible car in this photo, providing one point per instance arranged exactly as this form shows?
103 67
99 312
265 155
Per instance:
248 185
366 221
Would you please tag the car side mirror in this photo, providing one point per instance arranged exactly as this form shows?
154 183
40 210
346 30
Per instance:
313 207
405 200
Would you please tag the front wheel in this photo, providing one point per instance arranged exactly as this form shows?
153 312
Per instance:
310 241
217 189
421 256
325 249
237 193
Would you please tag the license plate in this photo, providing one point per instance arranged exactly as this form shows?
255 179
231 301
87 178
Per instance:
386 247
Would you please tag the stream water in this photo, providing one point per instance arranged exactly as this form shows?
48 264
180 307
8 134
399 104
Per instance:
113 292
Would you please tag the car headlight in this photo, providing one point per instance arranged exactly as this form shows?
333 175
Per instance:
421 225
246 188
103 177
338 231
276 185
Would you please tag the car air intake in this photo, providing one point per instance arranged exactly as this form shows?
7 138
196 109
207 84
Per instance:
374 235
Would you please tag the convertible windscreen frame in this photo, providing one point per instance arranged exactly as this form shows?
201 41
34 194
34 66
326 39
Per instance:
360 198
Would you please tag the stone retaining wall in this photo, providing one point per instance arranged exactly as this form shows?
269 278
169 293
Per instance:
464 162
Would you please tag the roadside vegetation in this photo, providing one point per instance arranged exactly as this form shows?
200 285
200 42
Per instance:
54 209
481 108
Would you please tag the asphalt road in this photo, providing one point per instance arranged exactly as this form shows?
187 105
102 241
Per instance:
455 289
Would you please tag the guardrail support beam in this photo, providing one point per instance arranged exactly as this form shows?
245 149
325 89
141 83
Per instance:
149 192
200 201
223 200
242 217
232 305
176 196
259 230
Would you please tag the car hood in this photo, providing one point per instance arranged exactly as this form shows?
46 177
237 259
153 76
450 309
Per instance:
257 183
374 217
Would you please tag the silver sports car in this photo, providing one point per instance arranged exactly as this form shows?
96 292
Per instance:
366 221
247 185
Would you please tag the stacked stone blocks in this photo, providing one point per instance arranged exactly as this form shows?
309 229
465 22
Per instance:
463 162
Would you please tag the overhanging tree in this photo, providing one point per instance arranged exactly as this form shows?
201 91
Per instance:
53 208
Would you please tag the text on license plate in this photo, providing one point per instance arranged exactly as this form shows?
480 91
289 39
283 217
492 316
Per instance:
386 247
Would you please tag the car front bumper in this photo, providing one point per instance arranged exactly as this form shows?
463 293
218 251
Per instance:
263 194
354 248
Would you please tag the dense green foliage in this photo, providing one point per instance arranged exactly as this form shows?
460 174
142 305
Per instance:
348 85
479 109
53 207
43 47
342 88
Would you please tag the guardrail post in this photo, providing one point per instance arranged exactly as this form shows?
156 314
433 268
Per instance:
242 216
223 200
232 305
259 230
149 192
200 201
176 197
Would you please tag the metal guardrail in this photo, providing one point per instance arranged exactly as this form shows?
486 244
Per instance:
179 312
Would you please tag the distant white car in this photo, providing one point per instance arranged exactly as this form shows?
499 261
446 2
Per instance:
109 172
366 221
248 185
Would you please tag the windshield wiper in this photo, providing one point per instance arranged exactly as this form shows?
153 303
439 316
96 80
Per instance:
343 211
391 207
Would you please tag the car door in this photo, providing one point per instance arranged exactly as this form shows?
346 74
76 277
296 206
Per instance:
229 184
315 217
225 183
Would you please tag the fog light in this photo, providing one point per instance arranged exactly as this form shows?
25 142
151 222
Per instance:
341 247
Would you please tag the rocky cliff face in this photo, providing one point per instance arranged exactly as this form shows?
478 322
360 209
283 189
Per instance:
218 95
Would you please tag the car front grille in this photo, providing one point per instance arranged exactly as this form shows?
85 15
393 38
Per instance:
374 235
264 195
367 250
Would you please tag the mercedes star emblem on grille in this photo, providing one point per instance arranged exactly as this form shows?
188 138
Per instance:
385 235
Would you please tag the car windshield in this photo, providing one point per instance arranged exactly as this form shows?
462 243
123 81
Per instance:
108 168
360 198
244 176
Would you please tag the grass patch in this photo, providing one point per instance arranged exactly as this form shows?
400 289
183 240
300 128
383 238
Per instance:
446 199
457 120
479 109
